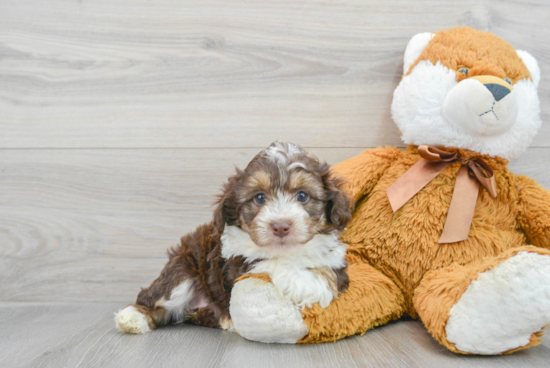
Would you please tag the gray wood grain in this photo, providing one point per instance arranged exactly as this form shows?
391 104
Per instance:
215 73
83 335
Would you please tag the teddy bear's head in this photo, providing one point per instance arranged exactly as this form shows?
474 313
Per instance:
468 89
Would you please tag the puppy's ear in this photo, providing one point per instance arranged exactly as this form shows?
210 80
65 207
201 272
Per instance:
226 211
339 207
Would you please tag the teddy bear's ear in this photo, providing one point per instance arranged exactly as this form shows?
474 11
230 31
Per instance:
531 64
416 45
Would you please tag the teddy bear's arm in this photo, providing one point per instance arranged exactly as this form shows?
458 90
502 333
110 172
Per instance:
363 171
534 211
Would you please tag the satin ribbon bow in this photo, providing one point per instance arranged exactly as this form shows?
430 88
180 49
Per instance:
473 172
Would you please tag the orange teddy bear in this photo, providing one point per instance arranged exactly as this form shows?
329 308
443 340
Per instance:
442 231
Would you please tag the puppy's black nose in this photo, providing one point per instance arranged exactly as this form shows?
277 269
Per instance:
280 229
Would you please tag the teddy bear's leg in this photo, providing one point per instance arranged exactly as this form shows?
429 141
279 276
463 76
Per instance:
371 300
260 313
496 306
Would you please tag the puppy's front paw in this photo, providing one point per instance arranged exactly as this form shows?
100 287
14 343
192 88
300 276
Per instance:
305 288
130 320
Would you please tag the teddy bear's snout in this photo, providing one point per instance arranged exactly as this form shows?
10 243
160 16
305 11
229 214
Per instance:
481 105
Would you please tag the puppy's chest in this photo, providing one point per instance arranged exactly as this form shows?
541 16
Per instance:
304 286
277 267
304 274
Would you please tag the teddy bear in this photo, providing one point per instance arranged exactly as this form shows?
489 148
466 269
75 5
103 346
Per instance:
442 231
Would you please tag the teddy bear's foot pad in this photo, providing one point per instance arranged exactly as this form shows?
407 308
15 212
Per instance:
504 307
260 313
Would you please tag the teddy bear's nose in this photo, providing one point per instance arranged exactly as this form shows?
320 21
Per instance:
498 91
498 87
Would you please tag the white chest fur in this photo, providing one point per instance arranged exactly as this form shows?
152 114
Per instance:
293 269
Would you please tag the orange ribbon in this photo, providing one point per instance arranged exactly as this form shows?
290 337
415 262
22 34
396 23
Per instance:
473 172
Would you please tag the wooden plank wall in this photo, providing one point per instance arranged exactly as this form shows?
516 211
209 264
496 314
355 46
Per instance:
120 119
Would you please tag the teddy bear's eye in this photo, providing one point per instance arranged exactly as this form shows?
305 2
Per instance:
508 80
464 70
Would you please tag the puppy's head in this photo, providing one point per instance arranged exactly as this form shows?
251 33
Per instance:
283 198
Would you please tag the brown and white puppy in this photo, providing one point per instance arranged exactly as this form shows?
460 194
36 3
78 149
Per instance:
282 215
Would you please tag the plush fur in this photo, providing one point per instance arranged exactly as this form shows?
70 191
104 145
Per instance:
415 47
396 265
283 216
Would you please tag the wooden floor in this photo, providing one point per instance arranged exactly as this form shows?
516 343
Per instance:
120 119
82 335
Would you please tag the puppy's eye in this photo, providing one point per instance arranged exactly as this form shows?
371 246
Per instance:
464 71
302 197
508 80
259 198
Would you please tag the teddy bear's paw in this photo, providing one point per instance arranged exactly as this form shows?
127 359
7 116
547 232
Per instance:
260 313
505 308
130 320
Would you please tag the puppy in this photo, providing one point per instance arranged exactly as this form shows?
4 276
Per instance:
282 216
